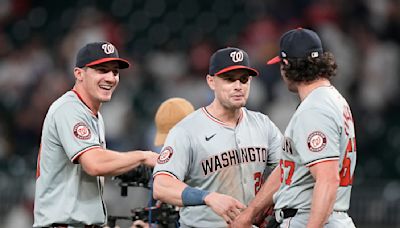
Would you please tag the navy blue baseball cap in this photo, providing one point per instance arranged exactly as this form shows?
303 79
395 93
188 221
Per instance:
99 52
298 43
230 58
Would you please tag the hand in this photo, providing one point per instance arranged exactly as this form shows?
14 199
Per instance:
140 224
260 219
243 220
225 206
150 158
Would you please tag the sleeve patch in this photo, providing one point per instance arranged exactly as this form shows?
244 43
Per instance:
316 141
165 155
82 131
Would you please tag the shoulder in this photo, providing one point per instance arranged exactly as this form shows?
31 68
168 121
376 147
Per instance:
67 104
314 116
192 119
255 116
191 125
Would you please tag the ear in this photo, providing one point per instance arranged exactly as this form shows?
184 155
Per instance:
79 73
283 72
211 81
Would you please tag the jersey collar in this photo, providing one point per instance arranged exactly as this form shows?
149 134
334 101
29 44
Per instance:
219 121
80 98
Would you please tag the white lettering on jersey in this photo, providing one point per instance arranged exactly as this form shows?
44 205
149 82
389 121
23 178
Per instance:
233 157
348 119
287 145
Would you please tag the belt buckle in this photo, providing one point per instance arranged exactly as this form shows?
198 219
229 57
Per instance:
279 216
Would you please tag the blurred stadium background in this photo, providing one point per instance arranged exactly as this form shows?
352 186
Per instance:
169 43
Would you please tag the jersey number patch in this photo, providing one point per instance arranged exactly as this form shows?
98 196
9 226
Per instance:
287 164
346 178
258 181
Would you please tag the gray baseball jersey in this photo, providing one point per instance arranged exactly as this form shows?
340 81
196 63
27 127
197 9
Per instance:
205 153
320 130
65 193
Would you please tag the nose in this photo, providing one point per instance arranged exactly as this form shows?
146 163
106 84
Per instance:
237 85
110 77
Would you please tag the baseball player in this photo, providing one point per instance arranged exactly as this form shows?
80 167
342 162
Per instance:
213 160
73 155
319 150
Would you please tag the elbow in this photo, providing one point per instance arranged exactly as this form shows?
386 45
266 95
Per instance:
332 185
335 181
160 190
156 191
93 170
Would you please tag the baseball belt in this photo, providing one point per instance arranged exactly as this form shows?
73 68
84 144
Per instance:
285 213
58 225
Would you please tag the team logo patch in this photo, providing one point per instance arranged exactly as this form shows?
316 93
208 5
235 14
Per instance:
165 155
316 141
237 56
108 48
81 131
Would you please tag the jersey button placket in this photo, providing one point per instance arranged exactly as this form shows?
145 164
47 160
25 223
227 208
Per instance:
238 146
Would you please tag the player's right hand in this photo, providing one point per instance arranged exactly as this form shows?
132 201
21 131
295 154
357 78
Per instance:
225 206
244 220
150 158
140 224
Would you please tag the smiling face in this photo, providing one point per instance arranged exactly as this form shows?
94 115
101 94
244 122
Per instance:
97 83
231 88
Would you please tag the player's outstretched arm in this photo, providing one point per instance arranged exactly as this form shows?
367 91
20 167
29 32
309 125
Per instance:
101 162
262 201
168 189
173 191
326 175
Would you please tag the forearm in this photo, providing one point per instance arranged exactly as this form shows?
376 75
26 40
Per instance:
264 199
323 199
168 189
110 163
123 162
326 177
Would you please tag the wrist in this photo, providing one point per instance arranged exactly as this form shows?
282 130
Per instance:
143 156
193 196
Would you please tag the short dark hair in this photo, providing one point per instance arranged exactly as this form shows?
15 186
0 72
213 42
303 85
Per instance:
309 69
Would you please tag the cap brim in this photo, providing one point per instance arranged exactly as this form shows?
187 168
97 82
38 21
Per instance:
274 60
253 72
160 139
122 62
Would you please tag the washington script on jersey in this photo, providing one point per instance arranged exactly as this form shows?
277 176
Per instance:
233 157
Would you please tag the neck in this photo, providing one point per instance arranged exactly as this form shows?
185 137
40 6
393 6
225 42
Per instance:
228 116
305 88
85 98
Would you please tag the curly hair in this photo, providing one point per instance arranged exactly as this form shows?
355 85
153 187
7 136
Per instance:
309 69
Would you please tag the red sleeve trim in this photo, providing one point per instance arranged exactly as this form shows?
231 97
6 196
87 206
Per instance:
164 173
77 155
322 160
